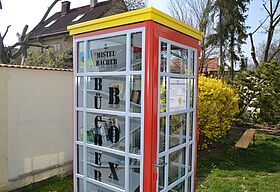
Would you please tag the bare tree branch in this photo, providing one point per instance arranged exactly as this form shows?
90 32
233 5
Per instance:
253 50
271 7
266 9
14 46
274 20
17 53
7 54
6 31
275 53
259 26
179 9
48 11
197 14
276 7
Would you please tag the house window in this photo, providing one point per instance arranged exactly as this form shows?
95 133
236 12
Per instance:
50 23
57 47
78 17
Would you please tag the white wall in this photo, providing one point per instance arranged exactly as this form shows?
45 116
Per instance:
38 121
3 128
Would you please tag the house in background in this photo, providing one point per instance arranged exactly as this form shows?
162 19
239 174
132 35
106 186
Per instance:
211 65
53 32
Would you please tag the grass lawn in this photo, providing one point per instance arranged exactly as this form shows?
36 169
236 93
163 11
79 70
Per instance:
224 169
234 170
56 184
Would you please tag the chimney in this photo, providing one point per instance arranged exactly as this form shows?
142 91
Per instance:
93 3
65 8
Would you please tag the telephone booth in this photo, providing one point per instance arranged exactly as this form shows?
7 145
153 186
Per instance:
135 94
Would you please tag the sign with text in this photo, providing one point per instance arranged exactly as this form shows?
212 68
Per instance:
178 94
106 93
107 54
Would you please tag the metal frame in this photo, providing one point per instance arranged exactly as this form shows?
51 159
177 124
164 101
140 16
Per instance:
127 114
167 115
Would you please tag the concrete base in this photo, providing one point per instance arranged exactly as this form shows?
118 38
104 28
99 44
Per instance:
40 175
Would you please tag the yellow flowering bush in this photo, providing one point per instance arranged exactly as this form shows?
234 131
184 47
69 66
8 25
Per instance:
217 108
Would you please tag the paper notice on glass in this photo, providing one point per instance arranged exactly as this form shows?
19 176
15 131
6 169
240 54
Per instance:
178 94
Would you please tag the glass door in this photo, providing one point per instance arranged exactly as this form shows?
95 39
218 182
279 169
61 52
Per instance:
176 123
108 120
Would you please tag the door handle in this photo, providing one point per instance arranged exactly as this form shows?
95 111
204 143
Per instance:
159 165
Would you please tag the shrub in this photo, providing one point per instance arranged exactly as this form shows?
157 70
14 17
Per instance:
217 108
259 91
50 59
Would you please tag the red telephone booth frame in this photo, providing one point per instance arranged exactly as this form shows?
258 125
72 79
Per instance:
153 32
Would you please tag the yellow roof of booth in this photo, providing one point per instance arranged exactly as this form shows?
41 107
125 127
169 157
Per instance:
131 17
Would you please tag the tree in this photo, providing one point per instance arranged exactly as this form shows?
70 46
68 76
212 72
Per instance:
237 29
231 30
135 4
10 53
219 7
225 37
273 53
197 13
273 18
120 6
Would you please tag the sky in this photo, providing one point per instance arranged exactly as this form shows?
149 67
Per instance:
18 13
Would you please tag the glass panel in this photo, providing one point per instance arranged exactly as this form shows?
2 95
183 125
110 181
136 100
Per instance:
80 162
190 158
177 131
136 49
80 91
161 174
163 57
108 54
135 135
178 94
106 130
80 57
191 126
80 185
176 165
189 184
163 84
135 93
162 134
95 188
107 93
106 167
192 86
134 175
186 55
80 129
192 64
178 60
178 188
